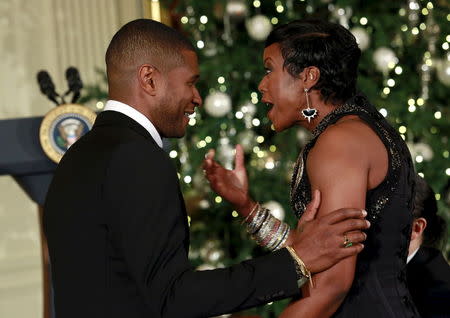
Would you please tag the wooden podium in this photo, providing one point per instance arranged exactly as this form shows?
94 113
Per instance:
23 158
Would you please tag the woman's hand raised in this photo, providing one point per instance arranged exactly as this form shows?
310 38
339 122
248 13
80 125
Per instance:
232 185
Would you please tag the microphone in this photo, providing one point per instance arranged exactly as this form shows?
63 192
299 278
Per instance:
47 87
74 82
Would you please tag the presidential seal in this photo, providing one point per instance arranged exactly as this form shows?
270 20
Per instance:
62 127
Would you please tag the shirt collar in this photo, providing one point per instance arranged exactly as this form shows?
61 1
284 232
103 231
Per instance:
135 115
410 256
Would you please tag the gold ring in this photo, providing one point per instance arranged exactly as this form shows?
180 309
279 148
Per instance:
347 242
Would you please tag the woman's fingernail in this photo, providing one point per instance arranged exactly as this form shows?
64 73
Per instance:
364 212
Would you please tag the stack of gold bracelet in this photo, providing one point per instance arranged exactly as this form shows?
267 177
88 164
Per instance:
266 229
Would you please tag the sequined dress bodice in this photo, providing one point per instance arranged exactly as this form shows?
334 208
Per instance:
379 287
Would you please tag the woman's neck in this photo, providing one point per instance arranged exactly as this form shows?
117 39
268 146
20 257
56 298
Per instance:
323 109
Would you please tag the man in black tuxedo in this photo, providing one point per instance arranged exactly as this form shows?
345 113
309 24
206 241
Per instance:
428 273
115 218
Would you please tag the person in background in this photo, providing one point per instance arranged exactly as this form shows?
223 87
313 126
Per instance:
428 273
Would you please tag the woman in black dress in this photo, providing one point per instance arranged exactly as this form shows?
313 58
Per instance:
355 158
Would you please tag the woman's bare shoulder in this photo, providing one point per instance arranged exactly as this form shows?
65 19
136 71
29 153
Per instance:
350 133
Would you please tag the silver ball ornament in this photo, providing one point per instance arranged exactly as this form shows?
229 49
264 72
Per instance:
443 71
211 252
258 27
276 209
225 153
236 8
247 139
248 108
362 37
423 150
217 104
383 58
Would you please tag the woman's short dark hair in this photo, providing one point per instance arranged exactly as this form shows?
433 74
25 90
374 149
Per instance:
328 46
425 206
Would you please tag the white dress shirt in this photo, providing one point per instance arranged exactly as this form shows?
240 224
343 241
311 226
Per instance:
410 256
136 116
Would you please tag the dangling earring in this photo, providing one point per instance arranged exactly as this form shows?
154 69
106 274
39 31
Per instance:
309 113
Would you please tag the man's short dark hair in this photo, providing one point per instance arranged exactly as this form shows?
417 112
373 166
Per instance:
328 46
425 206
146 41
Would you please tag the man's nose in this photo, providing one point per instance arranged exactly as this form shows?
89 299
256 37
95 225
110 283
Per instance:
197 99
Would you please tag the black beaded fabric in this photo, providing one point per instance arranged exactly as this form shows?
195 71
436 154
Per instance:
379 287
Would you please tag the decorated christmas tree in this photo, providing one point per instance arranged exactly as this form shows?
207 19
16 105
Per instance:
404 71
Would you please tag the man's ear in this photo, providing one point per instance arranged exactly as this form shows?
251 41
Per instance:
418 227
148 77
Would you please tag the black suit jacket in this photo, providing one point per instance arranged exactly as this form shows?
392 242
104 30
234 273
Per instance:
428 275
118 237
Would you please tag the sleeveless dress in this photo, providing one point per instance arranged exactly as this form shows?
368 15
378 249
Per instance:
379 288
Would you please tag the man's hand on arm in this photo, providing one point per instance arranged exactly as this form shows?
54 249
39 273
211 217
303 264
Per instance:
320 242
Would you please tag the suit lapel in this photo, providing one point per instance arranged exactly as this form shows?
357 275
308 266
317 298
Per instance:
185 217
117 119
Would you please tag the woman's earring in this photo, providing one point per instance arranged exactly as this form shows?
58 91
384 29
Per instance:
309 113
